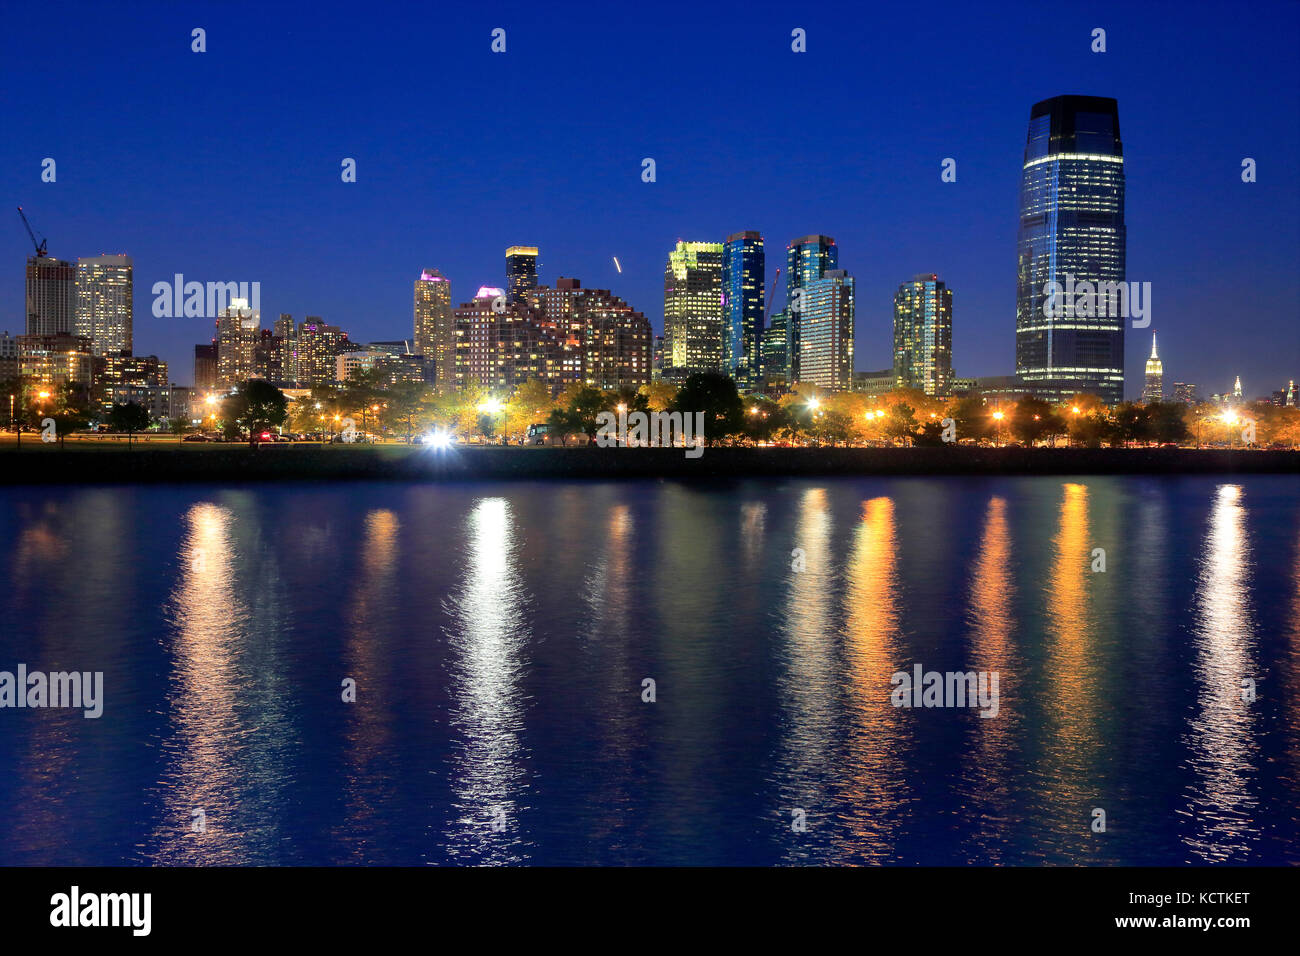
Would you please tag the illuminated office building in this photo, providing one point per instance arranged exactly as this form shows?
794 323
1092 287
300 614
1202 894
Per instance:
743 265
521 273
104 302
923 335
1071 227
693 314
807 259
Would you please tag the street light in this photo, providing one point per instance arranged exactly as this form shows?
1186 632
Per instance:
491 407
997 434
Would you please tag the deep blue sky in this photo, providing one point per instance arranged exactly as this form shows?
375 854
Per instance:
225 165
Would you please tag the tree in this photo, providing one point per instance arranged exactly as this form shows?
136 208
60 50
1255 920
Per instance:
971 418
532 401
1034 420
72 410
1167 423
129 418
178 426
254 406
562 423
900 422
406 402
659 395
584 405
715 395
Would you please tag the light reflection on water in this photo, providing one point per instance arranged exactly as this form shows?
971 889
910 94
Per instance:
1222 745
498 638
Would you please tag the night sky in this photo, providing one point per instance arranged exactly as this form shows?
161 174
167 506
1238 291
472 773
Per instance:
225 165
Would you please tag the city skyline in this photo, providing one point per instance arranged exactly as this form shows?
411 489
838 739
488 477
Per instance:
1226 305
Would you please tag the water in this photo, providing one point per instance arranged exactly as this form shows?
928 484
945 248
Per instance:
499 634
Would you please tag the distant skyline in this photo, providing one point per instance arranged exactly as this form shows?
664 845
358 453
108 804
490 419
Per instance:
225 165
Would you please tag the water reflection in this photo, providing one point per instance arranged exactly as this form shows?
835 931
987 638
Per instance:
875 772
488 775
988 784
1068 774
810 675
1220 803
373 598
209 617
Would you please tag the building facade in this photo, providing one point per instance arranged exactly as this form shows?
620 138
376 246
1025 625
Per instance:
105 299
521 273
923 335
693 312
51 302
435 327
807 259
1153 389
826 336
743 273
1071 231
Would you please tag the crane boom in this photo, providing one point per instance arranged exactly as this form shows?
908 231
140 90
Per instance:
771 293
40 246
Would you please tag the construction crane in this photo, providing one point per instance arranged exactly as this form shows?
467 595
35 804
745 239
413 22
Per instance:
771 293
40 246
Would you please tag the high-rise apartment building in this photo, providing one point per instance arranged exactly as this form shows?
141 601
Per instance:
104 302
238 335
807 259
693 311
600 339
435 327
923 335
743 267
1071 231
319 345
501 348
521 273
51 296
205 368
826 335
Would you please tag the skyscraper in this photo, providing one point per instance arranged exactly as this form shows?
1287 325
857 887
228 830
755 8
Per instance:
1154 388
826 338
238 335
51 296
743 265
776 367
693 316
598 338
521 273
1071 231
104 302
807 259
923 335
435 331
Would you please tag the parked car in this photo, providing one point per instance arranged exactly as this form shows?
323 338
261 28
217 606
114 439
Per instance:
196 438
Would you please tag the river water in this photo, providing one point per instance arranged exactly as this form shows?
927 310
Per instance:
500 636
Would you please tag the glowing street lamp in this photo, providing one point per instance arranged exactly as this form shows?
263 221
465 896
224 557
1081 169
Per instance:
495 406
997 435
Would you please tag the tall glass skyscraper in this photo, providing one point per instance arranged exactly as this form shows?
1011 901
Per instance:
1071 231
827 321
743 265
807 260
923 335
693 318
521 273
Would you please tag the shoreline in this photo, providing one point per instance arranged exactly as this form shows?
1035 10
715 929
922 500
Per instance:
117 464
